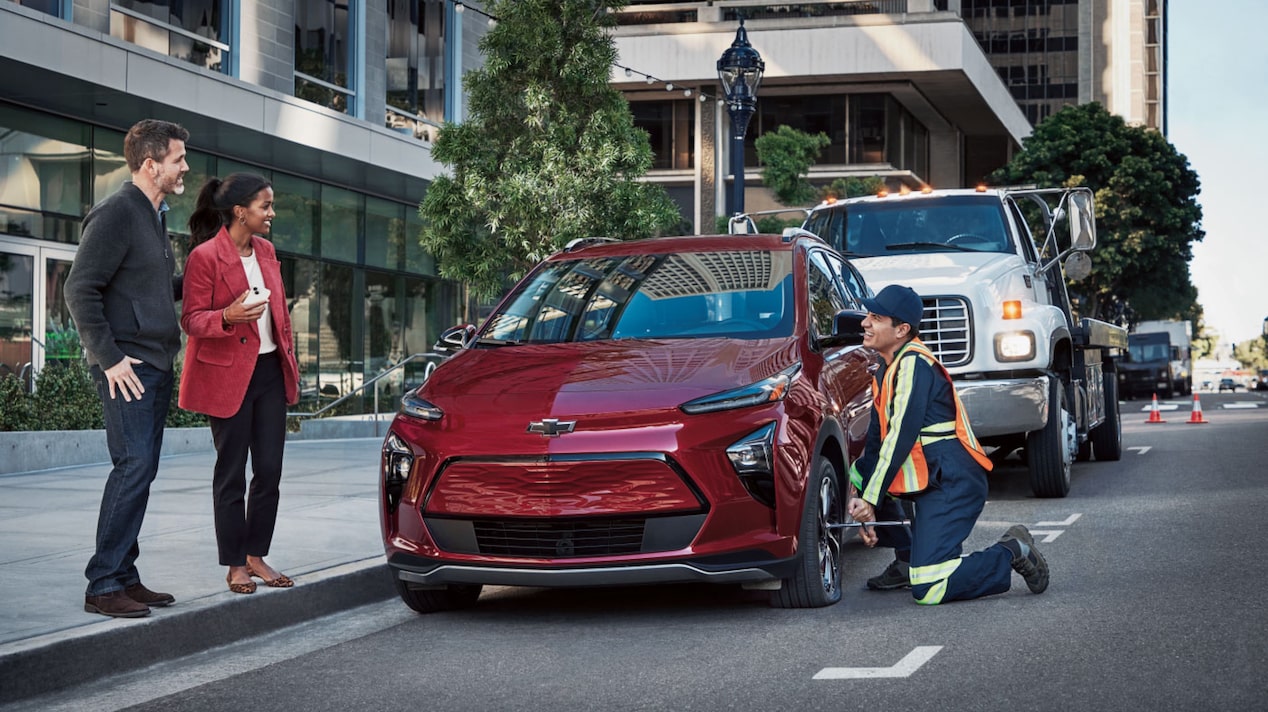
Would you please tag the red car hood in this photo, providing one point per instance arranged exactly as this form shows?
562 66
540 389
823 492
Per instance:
600 377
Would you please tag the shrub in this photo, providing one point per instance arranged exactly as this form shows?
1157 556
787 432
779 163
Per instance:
65 398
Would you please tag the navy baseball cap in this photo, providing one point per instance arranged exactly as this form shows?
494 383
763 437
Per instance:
897 301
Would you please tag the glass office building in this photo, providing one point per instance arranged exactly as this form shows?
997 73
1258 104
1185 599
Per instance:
333 100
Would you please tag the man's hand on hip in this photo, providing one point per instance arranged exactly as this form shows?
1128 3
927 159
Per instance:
122 376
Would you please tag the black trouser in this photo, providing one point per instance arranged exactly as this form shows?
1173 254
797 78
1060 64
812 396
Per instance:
245 527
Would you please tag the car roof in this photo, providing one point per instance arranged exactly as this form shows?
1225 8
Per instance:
598 247
914 195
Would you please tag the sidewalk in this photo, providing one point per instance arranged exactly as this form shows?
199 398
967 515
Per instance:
327 539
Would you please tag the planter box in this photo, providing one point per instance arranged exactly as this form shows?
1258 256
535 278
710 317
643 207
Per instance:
28 451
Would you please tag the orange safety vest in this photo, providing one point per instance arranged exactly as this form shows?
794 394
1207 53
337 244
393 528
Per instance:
914 474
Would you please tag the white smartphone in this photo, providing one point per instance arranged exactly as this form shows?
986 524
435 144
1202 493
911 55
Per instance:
258 295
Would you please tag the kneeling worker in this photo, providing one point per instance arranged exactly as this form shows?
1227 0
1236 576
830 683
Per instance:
920 448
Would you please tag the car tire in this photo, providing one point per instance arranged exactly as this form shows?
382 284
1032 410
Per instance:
816 581
1107 438
1048 450
450 598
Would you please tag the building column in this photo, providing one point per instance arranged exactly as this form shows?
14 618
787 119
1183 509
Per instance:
706 164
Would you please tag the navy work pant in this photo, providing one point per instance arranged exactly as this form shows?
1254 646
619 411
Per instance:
944 516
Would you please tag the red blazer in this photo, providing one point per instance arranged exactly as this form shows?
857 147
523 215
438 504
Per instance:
219 361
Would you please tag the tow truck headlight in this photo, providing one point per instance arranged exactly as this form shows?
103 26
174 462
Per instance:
1015 346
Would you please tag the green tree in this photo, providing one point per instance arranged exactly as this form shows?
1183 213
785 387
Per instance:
786 155
842 188
548 153
1147 214
1250 353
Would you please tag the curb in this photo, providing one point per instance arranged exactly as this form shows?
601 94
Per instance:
70 658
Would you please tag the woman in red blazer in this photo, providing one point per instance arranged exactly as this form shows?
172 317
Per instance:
239 366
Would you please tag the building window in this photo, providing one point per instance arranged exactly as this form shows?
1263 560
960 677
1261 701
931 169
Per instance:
671 130
194 31
48 7
811 114
415 66
867 128
45 175
323 53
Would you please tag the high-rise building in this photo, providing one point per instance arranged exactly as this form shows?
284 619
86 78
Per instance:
1053 53
902 88
334 100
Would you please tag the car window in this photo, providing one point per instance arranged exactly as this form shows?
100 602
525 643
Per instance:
850 280
826 297
733 294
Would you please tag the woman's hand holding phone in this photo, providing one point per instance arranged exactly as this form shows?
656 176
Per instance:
246 308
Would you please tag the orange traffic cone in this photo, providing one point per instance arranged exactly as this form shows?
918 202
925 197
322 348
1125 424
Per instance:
1196 415
1155 415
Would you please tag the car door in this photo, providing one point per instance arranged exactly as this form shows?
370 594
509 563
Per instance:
844 379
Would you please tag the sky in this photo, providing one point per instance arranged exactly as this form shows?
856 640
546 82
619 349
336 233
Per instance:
1217 107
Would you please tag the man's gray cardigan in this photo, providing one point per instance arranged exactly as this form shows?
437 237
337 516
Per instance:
121 290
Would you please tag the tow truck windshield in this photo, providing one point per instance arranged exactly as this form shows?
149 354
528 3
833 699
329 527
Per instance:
962 223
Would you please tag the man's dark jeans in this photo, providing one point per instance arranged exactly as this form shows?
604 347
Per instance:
134 432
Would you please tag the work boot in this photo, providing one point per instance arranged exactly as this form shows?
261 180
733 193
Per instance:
895 576
1027 560
115 604
139 593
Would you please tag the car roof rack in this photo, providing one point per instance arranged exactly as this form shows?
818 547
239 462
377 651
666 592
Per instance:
580 242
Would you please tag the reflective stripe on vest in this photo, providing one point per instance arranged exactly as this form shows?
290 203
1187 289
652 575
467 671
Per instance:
913 476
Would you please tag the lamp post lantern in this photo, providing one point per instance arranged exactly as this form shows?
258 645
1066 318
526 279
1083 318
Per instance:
740 70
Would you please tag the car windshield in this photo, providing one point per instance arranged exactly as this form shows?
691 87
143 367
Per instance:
959 223
741 295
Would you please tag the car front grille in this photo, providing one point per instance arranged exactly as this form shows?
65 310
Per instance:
947 329
559 539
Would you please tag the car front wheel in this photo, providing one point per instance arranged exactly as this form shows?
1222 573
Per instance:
816 582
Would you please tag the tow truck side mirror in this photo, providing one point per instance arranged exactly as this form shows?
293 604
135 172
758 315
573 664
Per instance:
1082 219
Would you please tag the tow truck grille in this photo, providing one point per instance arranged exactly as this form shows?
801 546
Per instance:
947 330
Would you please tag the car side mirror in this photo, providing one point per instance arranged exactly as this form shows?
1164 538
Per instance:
454 338
847 329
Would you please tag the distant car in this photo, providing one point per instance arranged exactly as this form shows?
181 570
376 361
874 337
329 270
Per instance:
643 412
1228 384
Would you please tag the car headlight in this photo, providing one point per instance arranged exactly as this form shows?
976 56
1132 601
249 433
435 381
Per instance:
767 390
753 458
398 462
1015 346
416 407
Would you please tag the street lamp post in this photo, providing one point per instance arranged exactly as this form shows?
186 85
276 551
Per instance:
740 71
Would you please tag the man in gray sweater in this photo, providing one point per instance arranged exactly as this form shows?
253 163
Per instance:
122 292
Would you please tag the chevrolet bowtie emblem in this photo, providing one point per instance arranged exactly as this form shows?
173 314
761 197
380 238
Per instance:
551 427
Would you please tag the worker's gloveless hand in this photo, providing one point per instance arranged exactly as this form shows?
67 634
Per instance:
861 511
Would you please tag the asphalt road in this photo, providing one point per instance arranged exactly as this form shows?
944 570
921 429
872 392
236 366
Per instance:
1157 603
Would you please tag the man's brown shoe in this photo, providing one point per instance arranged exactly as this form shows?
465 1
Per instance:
139 593
115 604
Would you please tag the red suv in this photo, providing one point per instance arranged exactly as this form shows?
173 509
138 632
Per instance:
655 411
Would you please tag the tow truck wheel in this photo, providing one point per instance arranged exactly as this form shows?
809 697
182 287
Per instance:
1051 449
1107 438
817 579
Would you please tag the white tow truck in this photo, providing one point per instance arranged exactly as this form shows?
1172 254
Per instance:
1031 373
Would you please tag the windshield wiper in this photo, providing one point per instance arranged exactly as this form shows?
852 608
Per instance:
918 245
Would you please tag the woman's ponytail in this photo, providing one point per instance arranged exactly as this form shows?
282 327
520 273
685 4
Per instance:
205 221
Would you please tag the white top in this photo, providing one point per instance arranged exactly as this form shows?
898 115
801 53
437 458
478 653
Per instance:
255 279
